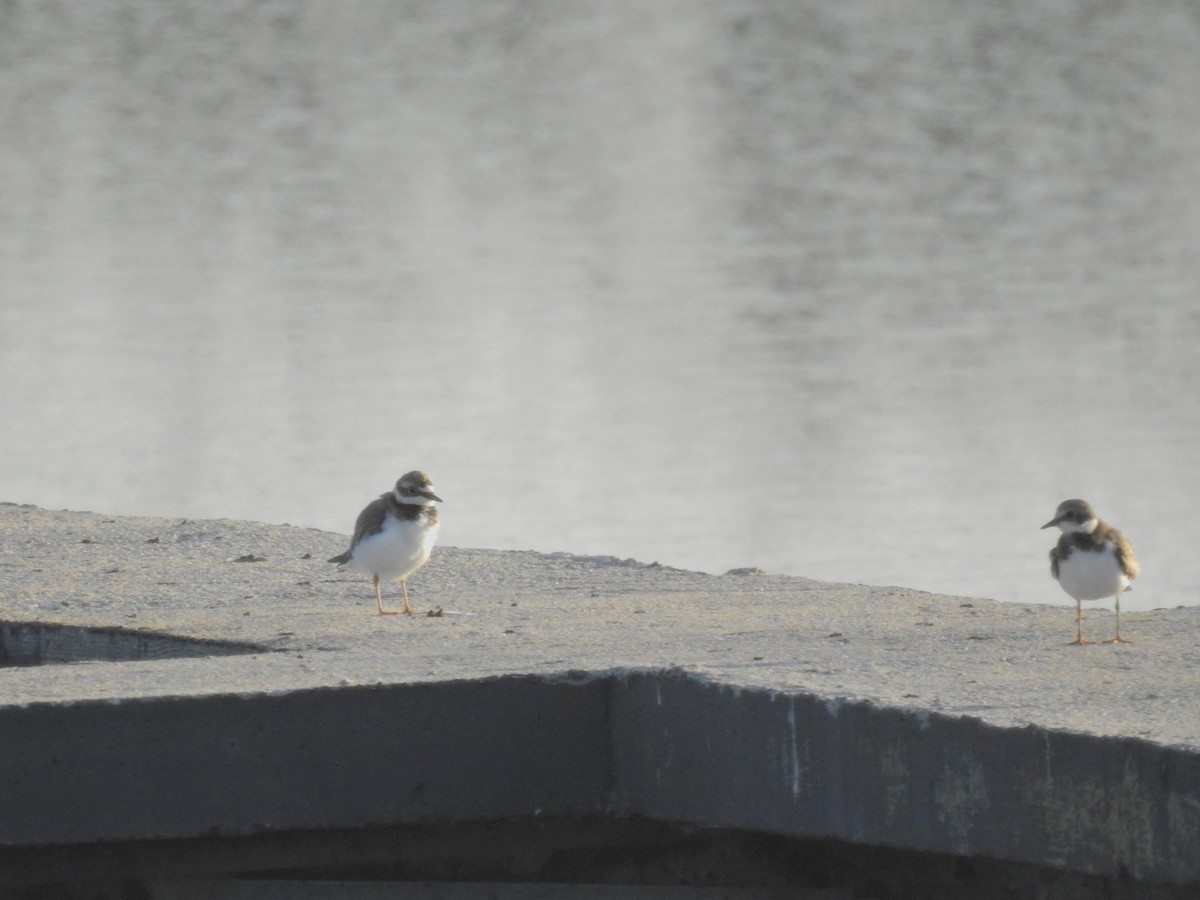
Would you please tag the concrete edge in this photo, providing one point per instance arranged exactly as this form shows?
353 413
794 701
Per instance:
666 745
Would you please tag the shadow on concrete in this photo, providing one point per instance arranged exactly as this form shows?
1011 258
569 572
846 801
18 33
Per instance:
588 858
41 644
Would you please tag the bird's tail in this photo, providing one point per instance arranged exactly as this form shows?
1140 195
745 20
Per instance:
340 559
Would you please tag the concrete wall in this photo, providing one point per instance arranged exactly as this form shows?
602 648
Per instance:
796 764
659 744
327 758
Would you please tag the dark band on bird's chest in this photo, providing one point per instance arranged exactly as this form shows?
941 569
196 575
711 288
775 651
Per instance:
1078 540
372 519
409 512
1095 542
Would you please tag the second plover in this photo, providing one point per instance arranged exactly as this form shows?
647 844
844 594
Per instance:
1092 560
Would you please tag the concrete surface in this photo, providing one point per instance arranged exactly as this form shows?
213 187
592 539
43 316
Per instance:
556 685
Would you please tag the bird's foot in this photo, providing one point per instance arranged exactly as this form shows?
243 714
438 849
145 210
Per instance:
1078 642
1118 640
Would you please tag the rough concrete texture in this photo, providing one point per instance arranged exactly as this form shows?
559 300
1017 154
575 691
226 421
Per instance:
563 685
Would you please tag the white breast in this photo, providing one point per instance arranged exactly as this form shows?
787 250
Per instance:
397 551
1092 575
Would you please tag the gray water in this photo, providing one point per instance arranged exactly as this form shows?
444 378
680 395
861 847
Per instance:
857 291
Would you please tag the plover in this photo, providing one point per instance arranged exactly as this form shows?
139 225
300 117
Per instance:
394 535
1091 561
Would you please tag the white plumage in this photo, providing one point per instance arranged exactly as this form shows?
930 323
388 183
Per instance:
1092 574
396 551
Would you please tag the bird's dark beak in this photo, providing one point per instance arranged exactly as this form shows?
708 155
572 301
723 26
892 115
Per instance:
432 496
1051 523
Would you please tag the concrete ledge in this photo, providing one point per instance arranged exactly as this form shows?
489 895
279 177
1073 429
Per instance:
568 688
321 758
661 745
802 765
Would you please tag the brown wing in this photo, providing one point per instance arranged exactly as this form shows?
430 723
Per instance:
1125 556
369 522
1054 562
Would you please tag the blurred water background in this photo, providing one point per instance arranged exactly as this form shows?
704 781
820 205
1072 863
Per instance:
858 291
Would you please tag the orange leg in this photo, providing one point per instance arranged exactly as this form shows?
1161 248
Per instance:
1079 624
379 601
404 587
1118 639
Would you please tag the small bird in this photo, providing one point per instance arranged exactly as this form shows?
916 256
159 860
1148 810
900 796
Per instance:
1092 561
394 535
